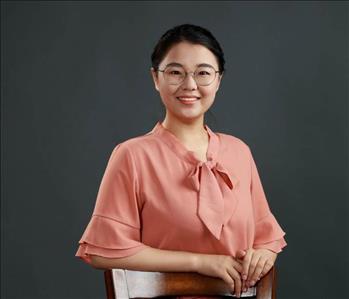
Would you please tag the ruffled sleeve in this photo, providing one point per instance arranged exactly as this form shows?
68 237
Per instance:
268 233
114 230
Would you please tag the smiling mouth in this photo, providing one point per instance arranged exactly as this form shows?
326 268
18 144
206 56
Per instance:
187 100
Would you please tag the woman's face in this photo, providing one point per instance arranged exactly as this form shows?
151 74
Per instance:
189 56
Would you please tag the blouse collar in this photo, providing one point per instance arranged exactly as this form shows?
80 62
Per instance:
178 147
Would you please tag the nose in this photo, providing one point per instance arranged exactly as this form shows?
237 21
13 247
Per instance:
189 81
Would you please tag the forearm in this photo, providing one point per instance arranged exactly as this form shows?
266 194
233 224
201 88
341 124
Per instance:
150 259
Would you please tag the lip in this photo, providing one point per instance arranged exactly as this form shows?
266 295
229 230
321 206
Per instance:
188 102
188 96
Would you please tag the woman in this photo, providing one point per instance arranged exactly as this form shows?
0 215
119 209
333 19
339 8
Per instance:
182 197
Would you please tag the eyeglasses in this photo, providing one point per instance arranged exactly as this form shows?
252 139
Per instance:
203 75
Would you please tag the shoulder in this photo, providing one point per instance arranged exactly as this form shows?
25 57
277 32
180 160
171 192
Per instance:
137 145
233 142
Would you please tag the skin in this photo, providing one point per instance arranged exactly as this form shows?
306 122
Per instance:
187 123
255 264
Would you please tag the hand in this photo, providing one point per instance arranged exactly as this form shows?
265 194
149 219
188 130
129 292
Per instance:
222 266
255 264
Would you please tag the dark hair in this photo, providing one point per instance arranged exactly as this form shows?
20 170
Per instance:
190 33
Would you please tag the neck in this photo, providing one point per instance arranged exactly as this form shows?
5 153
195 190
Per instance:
192 132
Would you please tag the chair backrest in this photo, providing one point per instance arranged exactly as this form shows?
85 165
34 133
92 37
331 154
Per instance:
126 284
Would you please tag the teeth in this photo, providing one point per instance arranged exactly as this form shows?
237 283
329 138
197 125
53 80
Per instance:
187 99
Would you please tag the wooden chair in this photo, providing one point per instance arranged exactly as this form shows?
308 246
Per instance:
126 284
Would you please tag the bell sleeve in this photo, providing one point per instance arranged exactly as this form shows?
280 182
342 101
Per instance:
114 229
268 233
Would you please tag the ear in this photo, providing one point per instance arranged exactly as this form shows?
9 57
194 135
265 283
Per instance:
219 81
155 77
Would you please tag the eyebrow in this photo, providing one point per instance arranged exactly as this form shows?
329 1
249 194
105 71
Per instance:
178 64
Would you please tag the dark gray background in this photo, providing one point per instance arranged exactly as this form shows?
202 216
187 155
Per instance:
75 81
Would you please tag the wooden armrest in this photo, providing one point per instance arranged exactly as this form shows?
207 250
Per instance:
125 284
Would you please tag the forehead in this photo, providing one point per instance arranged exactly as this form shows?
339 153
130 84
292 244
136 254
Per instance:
189 55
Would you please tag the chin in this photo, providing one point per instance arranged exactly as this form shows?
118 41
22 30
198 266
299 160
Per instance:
190 118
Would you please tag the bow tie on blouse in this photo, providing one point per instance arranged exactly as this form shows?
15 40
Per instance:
212 182
217 201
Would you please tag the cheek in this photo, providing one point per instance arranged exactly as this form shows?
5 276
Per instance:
209 92
168 93
165 89
167 96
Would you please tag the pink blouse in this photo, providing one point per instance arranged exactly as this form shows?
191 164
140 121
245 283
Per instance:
157 193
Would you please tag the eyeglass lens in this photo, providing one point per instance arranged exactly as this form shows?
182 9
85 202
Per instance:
203 75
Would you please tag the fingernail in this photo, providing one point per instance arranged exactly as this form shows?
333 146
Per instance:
244 276
253 282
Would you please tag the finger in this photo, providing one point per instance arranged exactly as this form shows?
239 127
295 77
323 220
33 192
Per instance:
246 264
238 285
252 267
244 286
237 266
240 254
239 257
267 266
240 261
258 270
237 280
229 281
